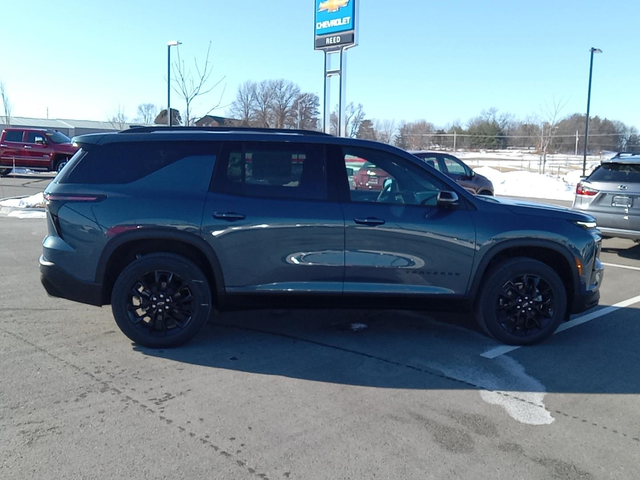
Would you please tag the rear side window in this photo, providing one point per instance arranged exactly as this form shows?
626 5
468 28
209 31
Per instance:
275 170
616 172
119 163
13 136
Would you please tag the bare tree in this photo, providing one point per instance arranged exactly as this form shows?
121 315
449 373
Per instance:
147 112
285 94
307 111
190 84
119 119
244 106
263 113
385 130
354 115
548 127
6 104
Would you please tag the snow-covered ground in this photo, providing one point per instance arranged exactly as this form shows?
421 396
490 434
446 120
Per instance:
24 207
528 184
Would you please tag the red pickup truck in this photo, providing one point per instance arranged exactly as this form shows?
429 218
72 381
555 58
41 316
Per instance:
35 149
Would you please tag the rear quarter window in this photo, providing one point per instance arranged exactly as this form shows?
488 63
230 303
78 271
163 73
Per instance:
127 162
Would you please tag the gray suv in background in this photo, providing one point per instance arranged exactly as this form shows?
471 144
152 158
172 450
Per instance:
169 225
612 195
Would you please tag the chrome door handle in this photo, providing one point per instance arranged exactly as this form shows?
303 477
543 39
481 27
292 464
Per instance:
27 147
372 221
231 216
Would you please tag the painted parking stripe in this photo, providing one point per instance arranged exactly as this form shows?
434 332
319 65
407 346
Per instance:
628 267
501 350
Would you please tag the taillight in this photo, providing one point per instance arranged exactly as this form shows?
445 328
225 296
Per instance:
53 197
582 190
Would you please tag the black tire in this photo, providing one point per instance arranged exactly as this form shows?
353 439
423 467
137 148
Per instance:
5 171
173 297
521 302
61 163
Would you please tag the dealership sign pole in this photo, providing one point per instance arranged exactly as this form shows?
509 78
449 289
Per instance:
335 32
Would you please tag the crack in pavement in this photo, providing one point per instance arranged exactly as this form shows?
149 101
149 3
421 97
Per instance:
107 387
428 372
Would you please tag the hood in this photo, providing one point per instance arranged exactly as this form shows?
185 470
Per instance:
524 207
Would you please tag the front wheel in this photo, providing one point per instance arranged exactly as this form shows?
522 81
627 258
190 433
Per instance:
161 300
522 301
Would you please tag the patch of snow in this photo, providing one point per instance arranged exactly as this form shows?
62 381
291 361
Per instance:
34 201
27 214
527 184
356 327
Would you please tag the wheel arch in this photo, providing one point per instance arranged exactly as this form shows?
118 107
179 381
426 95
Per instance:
550 253
126 247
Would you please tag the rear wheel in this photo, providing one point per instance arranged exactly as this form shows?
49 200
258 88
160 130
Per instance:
522 301
60 164
161 300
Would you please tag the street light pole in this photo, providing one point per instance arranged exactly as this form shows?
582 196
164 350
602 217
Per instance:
172 43
586 130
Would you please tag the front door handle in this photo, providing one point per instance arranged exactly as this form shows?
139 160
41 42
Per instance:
27 147
371 221
231 216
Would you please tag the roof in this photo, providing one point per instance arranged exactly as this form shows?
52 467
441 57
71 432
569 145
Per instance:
623 158
58 123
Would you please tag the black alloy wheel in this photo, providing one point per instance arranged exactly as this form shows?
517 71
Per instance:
522 301
161 300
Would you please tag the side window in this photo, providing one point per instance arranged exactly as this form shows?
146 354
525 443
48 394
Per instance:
13 136
273 170
432 161
386 178
35 137
126 162
454 167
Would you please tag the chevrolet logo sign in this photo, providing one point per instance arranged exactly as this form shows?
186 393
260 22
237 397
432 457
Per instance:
332 6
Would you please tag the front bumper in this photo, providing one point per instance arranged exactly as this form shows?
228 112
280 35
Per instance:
59 283
590 298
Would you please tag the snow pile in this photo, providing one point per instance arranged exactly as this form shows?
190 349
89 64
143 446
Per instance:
527 184
34 201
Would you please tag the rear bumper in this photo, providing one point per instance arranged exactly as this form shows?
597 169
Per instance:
620 233
59 283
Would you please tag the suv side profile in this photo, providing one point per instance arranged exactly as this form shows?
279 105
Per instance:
170 224
611 194
34 148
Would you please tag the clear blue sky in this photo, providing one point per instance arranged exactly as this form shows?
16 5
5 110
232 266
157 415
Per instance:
440 60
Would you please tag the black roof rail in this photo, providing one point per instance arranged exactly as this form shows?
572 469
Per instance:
161 128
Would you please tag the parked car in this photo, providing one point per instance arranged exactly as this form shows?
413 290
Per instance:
611 194
458 170
166 223
35 149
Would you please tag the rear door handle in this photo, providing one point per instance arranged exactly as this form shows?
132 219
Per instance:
231 216
372 221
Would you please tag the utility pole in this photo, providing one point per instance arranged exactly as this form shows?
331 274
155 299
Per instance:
454 141
577 137
586 130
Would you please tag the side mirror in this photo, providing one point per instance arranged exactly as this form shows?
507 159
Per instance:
387 183
448 199
40 141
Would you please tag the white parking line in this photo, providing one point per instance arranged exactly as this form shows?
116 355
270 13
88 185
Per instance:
501 350
621 266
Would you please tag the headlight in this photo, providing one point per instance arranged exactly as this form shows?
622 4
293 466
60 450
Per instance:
586 224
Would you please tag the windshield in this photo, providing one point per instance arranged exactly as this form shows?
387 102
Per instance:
616 172
57 137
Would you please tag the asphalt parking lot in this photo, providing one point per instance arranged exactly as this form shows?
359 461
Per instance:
298 394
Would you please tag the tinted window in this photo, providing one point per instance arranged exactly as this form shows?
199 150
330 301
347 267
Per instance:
455 167
128 162
35 137
13 136
616 172
386 178
273 170
432 161
57 137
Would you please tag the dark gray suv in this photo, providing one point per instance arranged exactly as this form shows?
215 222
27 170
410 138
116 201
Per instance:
166 224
